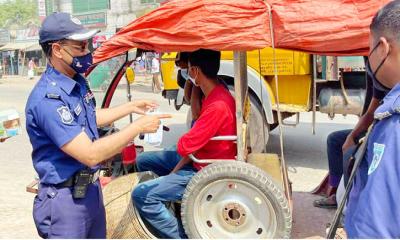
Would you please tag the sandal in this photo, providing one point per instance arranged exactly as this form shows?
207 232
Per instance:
328 203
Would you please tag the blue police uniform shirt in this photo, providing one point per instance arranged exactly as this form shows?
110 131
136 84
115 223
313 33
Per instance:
373 210
58 109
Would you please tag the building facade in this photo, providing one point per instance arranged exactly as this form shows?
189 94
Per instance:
106 15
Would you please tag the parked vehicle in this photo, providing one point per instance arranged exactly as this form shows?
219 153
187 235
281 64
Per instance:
250 196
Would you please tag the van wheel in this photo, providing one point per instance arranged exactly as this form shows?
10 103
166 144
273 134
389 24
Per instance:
258 128
235 200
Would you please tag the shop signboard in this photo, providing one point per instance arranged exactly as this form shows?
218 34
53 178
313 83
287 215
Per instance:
93 20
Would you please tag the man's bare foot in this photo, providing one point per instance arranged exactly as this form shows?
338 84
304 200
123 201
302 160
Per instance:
331 191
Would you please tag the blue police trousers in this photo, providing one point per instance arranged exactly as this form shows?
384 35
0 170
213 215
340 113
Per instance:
150 197
58 215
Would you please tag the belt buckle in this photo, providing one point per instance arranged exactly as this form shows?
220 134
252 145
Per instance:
95 176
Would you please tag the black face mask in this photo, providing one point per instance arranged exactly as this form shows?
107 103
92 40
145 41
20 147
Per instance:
377 84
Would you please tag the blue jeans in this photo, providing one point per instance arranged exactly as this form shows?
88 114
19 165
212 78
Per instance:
336 161
335 142
150 196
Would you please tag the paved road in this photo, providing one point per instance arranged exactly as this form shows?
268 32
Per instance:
304 153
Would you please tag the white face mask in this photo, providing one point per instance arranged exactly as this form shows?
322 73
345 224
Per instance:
193 80
184 73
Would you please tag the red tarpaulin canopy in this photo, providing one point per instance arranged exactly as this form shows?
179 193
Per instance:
329 27
187 25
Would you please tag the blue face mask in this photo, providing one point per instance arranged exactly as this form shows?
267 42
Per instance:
184 73
82 63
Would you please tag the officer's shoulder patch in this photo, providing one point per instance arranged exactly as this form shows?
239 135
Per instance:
65 115
382 115
53 91
378 151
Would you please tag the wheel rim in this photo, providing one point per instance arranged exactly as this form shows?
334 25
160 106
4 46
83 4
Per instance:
232 208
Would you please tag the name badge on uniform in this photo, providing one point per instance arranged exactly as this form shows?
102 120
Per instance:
65 115
78 109
379 149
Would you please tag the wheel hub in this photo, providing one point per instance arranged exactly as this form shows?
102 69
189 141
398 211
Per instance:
231 208
234 214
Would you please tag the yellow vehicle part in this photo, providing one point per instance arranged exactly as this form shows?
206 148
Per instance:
294 76
169 71
270 163
130 75
288 62
294 92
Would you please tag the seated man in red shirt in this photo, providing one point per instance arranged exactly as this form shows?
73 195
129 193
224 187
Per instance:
217 118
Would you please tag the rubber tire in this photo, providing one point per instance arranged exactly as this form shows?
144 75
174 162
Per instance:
245 172
256 127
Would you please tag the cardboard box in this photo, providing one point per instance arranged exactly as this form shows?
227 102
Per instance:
10 124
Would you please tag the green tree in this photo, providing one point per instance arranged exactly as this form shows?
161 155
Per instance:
18 13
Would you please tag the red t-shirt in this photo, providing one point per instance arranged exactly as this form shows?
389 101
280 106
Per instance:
217 118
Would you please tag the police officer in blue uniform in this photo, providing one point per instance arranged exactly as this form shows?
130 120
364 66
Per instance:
373 210
62 121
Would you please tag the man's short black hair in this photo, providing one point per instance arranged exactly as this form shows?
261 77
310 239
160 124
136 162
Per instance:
47 48
386 22
182 57
207 60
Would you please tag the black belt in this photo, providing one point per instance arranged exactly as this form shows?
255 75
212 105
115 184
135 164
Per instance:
69 183
72 180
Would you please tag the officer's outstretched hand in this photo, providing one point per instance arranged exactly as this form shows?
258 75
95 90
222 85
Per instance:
150 123
142 106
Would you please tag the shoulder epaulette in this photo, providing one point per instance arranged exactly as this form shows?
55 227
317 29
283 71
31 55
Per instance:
382 115
53 96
